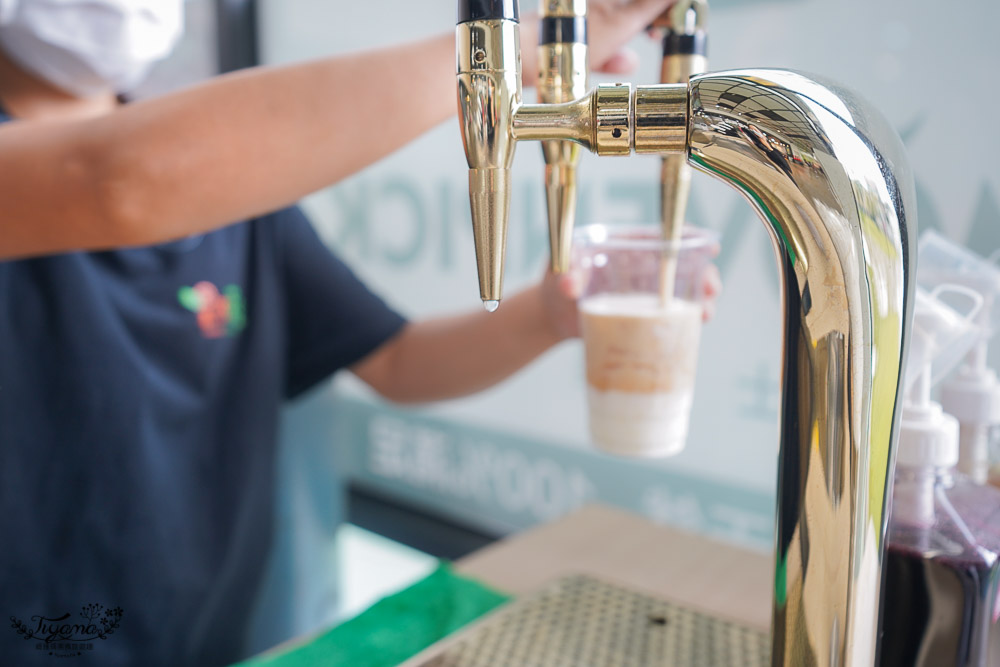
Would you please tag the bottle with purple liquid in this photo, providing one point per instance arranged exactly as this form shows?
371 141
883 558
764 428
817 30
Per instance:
941 606
942 572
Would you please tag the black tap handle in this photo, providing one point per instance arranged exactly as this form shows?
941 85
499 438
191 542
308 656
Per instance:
682 44
683 25
563 30
486 10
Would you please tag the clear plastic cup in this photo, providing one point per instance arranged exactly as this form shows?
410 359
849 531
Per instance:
641 349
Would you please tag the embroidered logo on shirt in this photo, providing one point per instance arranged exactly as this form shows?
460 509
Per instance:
219 315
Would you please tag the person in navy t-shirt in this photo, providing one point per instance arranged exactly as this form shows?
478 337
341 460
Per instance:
147 341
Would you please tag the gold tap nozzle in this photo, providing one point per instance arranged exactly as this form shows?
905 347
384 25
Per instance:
490 200
560 197
489 92
675 182
684 46
562 77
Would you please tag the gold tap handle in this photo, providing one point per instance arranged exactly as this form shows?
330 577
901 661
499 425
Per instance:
562 77
684 48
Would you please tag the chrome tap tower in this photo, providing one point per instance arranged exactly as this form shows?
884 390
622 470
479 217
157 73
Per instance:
830 181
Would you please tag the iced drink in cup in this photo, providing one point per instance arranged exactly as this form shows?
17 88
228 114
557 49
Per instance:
641 346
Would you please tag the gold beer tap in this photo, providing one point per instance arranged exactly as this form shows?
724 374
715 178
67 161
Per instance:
684 55
489 90
562 77
829 179
493 118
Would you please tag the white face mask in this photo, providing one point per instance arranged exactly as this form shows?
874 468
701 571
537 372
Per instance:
86 47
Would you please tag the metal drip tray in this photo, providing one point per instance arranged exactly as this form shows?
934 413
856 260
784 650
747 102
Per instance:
583 622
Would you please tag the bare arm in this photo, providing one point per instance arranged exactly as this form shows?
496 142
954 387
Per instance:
240 145
455 356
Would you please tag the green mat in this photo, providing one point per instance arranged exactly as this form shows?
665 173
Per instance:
395 628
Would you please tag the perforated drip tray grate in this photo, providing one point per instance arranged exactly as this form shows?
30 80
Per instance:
584 622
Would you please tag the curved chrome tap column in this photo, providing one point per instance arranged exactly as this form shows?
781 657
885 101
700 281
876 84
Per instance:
831 182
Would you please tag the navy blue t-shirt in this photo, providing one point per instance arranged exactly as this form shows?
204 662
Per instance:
139 398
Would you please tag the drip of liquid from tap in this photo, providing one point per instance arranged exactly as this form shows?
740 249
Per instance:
491 305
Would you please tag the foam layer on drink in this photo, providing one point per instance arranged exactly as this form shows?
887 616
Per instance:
641 360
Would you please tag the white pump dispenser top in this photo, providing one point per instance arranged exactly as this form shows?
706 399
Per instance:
972 394
941 336
929 437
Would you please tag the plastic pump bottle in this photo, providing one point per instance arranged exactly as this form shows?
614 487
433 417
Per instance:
972 394
942 568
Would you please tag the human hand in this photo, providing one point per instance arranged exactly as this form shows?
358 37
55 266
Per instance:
611 25
559 294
